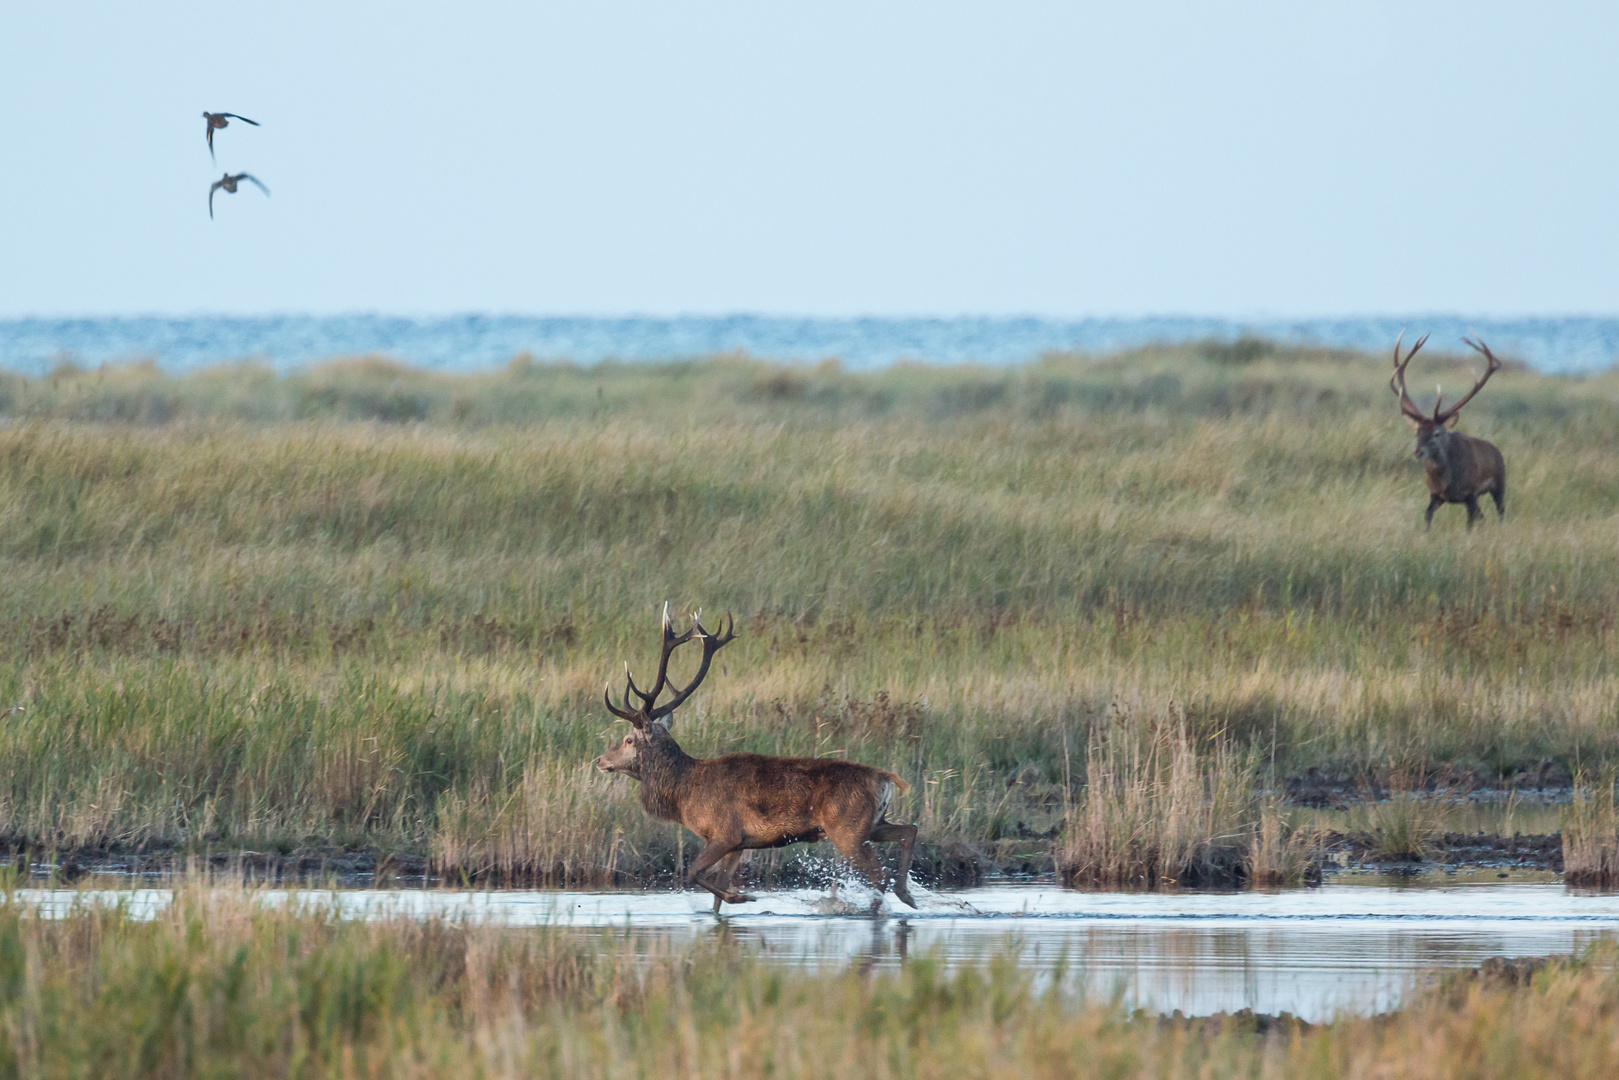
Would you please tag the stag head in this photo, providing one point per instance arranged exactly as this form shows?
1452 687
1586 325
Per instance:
649 719
1434 431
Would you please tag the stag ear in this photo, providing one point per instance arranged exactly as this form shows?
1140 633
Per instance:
664 721
1451 422
1413 421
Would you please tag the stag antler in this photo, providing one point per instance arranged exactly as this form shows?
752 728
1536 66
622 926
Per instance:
1408 408
1477 345
650 710
711 645
671 642
632 715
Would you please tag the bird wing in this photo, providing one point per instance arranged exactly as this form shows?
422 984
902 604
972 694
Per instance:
211 191
211 141
243 119
250 176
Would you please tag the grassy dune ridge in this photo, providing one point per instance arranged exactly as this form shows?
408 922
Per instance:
243 611
220 984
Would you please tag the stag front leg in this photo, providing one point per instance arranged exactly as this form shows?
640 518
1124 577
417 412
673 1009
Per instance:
887 831
1434 503
710 855
724 875
1473 512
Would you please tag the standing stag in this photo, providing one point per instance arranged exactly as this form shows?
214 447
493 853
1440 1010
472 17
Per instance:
1460 467
741 802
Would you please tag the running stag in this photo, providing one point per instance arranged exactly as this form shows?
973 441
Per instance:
741 802
1460 467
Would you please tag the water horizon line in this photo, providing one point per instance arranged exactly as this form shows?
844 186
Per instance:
479 341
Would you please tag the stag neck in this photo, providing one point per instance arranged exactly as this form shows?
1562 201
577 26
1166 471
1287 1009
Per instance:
662 766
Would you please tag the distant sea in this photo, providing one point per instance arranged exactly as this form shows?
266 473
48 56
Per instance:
481 342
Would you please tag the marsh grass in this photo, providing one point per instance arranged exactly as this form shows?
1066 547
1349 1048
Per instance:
556 823
219 983
1158 810
1446 816
1161 808
1590 827
1405 820
1282 850
245 611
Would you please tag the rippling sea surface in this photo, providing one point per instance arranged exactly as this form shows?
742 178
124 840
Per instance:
1312 952
480 342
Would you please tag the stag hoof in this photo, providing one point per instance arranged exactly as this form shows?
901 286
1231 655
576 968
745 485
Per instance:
902 890
740 898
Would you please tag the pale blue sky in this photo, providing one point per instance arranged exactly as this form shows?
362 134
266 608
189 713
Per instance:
828 159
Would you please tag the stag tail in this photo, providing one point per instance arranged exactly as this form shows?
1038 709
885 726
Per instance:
894 779
885 794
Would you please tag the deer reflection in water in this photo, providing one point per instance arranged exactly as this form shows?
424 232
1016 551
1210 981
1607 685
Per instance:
890 941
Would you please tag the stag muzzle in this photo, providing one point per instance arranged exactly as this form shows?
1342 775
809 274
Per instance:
620 759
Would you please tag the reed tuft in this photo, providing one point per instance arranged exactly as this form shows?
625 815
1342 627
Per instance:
1158 809
1590 827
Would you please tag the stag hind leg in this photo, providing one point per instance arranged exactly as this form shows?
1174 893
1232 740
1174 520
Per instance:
888 831
857 850
1499 494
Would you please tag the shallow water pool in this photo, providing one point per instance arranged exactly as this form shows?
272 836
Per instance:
1356 947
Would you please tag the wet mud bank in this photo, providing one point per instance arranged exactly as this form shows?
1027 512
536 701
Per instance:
939 866
1453 851
1498 972
1546 782
934 866
343 867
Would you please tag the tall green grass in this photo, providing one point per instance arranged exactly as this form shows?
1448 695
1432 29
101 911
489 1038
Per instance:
271 614
219 984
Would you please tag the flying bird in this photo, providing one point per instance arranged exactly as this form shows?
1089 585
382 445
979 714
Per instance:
221 120
229 182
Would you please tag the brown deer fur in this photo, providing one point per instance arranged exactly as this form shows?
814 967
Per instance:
1460 468
743 802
